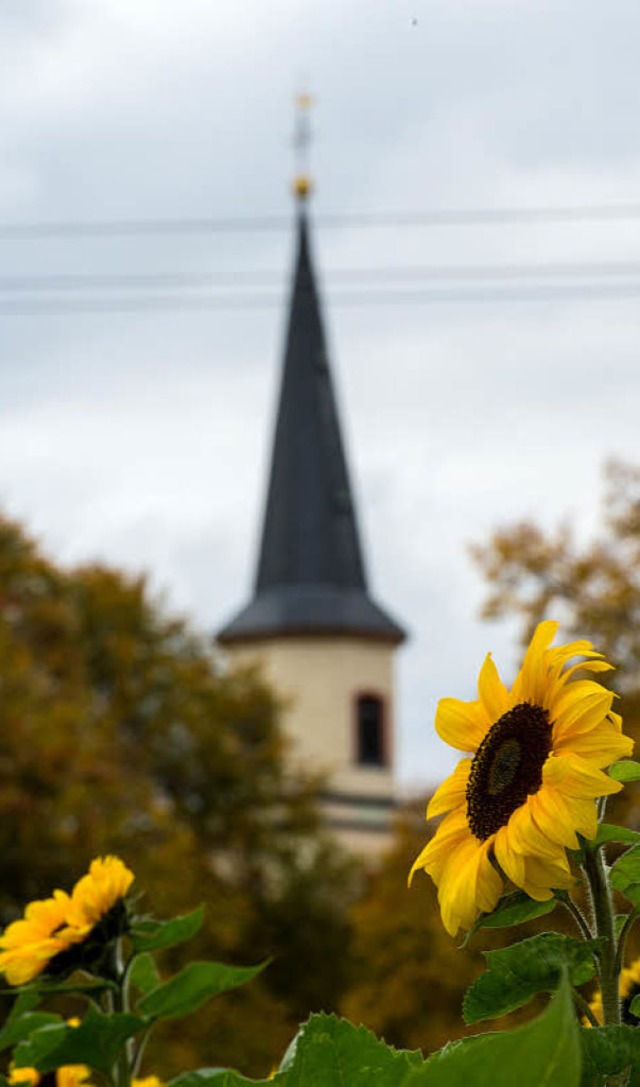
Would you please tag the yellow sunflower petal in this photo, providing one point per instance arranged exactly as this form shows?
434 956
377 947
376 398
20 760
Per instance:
527 837
529 684
458 890
552 817
436 853
601 745
542 876
573 776
510 859
582 705
451 793
562 818
460 724
492 693
489 885
597 664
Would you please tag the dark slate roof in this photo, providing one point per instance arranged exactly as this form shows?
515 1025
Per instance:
311 576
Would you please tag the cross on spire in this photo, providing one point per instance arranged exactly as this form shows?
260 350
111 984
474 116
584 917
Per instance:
302 184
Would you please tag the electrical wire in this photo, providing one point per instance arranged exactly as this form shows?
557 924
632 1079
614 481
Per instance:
252 224
164 303
176 281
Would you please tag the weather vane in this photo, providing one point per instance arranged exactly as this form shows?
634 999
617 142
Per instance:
301 141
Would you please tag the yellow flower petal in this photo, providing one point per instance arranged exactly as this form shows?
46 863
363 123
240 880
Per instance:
600 746
107 881
542 876
510 860
529 684
452 791
460 724
458 891
573 776
583 705
492 693
527 837
28 945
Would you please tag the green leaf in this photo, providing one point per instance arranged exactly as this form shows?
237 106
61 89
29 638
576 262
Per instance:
513 909
626 770
185 992
606 1051
151 935
20 1020
544 1052
330 1052
634 1006
143 973
96 1042
516 974
15 1030
625 875
607 832
219 1077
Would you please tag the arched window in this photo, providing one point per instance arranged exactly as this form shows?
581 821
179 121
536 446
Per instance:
370 739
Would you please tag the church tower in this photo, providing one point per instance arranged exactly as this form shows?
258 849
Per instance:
323 642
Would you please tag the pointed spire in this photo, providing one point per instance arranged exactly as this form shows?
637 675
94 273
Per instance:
310 534
311 577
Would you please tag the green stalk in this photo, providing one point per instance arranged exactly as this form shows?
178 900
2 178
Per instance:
622 939
121 1071
596 873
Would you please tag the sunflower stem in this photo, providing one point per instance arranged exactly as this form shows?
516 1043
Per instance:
596 873
576 913
121 1070
583 1008
622 939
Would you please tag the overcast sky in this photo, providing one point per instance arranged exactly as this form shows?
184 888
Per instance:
141 436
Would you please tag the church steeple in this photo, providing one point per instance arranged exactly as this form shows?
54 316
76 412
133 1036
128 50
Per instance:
312 627
311 575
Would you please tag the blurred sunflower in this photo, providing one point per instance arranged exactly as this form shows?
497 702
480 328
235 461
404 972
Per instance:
53 935
538 754
28 945
629 988
95 894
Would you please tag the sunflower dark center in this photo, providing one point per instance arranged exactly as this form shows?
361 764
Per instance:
507 767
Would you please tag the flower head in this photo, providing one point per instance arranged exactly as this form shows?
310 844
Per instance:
23 1076
73 1075
537 755
28 945
629 987
69 1075
93 896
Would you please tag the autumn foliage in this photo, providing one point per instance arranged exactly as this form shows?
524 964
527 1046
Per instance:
120 732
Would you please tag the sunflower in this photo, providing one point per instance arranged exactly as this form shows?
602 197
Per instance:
28 945
629 988
68 1075
96 893
529 788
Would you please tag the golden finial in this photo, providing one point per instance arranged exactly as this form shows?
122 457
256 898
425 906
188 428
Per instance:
302 184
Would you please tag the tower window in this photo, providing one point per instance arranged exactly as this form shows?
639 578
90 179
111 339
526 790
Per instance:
370 745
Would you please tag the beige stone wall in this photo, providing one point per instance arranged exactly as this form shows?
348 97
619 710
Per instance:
320 678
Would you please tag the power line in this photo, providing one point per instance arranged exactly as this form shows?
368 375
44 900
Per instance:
164 303
176 281
251 224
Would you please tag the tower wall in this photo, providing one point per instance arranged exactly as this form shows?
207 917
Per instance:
320 680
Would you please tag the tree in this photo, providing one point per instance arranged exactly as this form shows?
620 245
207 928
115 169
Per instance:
121 732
